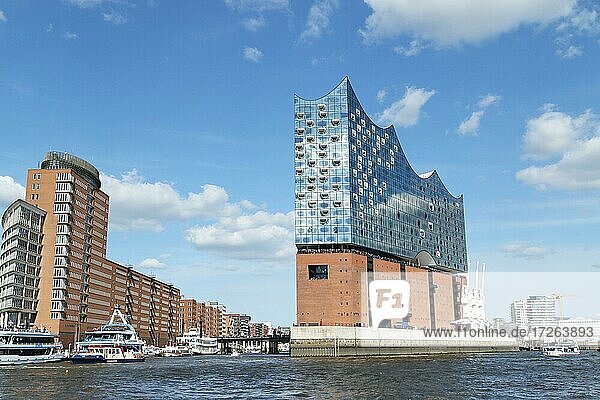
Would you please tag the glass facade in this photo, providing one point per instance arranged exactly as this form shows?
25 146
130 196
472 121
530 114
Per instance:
20 263
355 187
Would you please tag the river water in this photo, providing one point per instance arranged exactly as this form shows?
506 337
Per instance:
526 375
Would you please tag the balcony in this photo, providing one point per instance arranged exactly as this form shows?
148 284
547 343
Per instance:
64 177
59 283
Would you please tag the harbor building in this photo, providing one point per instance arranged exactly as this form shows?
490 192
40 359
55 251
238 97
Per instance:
361 210
188 315
207 316
534 310
260 329
77 285
20 258
237 325
212 317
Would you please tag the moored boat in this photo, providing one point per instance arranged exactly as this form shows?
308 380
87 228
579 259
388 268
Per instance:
29 347
176 351
198 344
562 349
115 342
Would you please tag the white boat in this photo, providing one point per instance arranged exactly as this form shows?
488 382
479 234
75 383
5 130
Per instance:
283 348
29 347
151 351
115 342
175 351
197 343
253 350
562 349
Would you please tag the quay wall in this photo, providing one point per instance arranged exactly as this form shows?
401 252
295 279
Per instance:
340 341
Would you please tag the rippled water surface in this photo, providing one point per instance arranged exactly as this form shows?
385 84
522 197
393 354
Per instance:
505 376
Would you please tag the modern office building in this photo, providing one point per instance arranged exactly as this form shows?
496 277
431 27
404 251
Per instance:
360 208
78 286
534 310
20 258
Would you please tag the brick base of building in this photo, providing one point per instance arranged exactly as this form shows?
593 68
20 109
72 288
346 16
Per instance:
339 296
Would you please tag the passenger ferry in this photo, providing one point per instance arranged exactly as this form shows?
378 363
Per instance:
29 347
197 344
115 342
561 349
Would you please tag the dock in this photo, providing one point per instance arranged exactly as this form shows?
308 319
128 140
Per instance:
339 341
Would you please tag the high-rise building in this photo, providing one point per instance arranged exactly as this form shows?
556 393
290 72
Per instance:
20 259
77 286
68 188
534 310
360 208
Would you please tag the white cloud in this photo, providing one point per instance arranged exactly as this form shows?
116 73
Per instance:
470 126
578 169
406 111
70 35
554 132
151 263
255 23
49 27
526 251
569 51
114 17
258 236
85 3
583 21
381 95
2 16
488 100
10 190
574 144
137 204
450 23
253 54
258 5
413 49
318 18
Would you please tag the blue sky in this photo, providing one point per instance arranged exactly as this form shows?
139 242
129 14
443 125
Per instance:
187 109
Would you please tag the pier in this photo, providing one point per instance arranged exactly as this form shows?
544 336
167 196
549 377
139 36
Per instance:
266 344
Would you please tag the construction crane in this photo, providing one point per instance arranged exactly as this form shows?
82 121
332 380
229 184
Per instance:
559 297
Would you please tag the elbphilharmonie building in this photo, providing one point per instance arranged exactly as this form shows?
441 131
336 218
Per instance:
356 194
